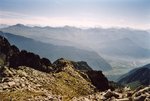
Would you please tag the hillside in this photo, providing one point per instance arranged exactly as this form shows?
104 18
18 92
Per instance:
136 77
39 79
124 48
35 85
93 38
54 52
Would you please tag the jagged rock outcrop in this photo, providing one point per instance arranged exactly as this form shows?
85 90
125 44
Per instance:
98 80
95 77
7 50
13 57
82 65
29 59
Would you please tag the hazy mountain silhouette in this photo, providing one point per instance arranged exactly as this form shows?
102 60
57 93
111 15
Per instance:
124 48
139 75
54 52
121 47
117 39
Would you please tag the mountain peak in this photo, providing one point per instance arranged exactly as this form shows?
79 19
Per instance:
19 25
80 65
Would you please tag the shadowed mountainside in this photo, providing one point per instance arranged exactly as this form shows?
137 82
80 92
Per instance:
137 77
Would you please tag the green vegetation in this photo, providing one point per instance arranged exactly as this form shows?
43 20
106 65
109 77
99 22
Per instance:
69 85
19 95
1 61
134 85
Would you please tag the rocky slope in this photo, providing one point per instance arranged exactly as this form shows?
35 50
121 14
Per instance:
66 84
26 76
63 83
10 55
140 94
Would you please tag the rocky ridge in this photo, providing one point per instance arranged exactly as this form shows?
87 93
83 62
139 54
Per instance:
27 84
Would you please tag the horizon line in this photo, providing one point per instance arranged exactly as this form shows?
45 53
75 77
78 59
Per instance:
80 27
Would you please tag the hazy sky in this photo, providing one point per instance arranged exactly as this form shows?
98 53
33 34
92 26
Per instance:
83 13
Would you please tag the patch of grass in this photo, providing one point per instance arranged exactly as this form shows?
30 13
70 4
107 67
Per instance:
69 86
134 85
1 62
19 95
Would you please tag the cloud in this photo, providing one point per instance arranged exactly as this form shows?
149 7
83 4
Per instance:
89 21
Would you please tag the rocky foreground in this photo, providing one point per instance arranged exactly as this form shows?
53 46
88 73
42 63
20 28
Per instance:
62 84
140 94
27 84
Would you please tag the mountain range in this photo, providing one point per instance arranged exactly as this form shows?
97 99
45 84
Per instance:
54 52
122 48
83 37
109 42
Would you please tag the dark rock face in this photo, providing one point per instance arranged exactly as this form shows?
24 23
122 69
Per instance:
81 65
60 62
11 55
46 61
29 59
6 50
98 80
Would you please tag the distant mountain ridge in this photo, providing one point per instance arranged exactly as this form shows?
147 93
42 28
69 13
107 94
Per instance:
54 52
120 47
124 48
94 38
139 75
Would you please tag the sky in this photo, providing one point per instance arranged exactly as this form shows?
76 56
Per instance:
80 13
